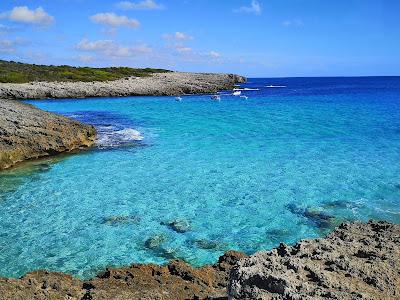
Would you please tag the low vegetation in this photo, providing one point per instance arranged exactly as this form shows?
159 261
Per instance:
15 72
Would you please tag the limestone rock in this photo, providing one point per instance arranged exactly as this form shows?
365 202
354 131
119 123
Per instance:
356 261
27 132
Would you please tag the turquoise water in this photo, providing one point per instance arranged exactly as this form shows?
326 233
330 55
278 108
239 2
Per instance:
285 164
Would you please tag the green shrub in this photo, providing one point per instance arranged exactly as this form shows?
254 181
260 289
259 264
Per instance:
15 72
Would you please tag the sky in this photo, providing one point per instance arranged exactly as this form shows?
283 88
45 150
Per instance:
255 38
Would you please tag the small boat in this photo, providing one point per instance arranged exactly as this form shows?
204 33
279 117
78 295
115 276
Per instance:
178 98
237 93
244 97
246 89
216 97
276 86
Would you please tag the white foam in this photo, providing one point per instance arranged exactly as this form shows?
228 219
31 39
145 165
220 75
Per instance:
114 138
276 86
129 134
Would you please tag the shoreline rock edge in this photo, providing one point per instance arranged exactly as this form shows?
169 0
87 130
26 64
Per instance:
356 261
27 132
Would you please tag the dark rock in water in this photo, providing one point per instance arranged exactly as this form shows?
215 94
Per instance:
317 217
155 241
213 245
42 167
117 220
337 204
278 234
178 225
205 244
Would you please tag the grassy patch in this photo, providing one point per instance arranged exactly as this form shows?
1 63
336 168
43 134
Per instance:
16 72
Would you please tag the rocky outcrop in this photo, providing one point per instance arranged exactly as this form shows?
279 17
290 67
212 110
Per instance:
173 83
177 281
27 132
356 261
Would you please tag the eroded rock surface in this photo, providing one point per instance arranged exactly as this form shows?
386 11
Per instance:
174 83
176 281
27 132
356 261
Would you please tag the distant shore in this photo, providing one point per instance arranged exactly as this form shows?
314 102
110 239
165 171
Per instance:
27 132
157 84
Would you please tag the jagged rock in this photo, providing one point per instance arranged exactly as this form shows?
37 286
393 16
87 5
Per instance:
27 132
177 281
356 261
173 83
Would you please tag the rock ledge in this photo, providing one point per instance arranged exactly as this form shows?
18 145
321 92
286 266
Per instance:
27 132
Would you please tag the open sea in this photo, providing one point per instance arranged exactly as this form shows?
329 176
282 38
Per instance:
191 179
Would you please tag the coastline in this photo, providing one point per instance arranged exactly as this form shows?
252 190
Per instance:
20 127
356 261
159 84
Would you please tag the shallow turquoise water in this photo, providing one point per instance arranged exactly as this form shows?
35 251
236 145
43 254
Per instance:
285 164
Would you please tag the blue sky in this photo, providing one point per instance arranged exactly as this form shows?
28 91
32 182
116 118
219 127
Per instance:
263 38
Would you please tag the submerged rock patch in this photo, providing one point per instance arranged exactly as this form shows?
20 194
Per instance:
178 225
120 220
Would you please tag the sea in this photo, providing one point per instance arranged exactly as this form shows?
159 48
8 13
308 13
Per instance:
287 159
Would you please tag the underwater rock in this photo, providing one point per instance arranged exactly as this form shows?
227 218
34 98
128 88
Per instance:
178 225
155 241
205 244
315 216
117 220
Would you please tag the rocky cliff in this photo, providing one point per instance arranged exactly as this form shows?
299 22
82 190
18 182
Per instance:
27 132
173 83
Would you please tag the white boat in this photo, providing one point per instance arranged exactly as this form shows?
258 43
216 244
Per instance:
216 97
276 86
178 98
246 89
237 93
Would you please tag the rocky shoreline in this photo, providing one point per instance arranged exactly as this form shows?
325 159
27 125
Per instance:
356 261
159 84
28 133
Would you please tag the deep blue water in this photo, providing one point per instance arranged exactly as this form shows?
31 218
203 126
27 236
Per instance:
285 164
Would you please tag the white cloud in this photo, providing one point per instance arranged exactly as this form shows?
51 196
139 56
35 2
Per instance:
293 23
10 46
254 8
112 49
23 14
113 20
183 49
178 36
141 5
214 54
